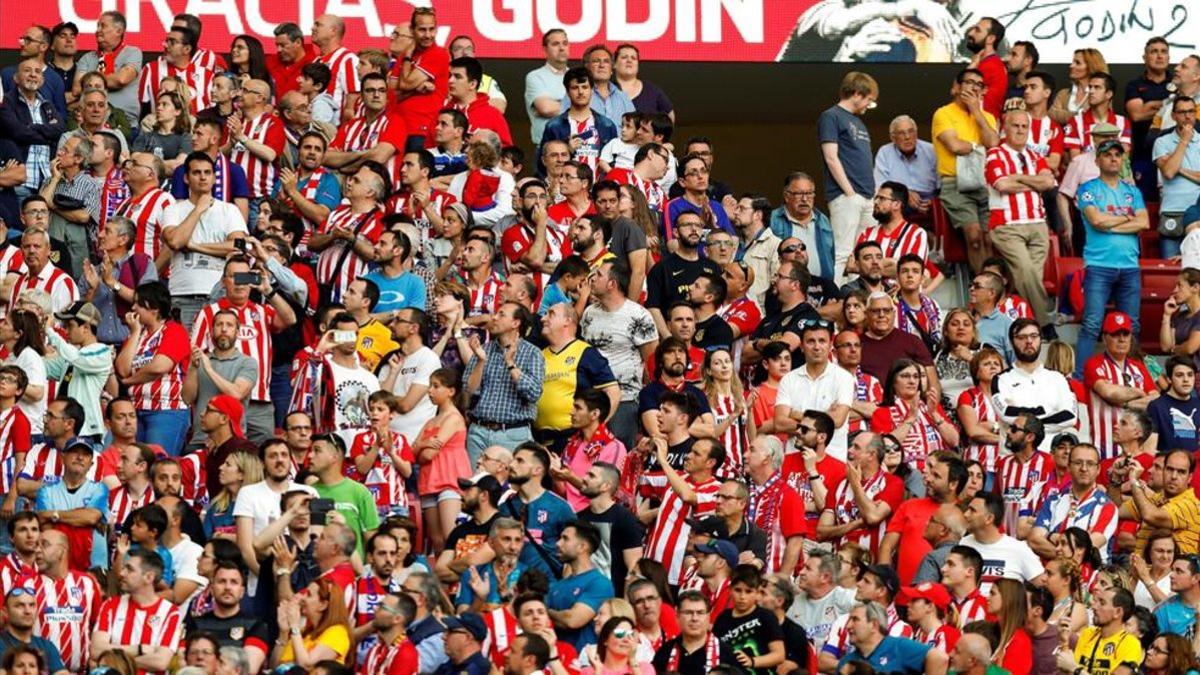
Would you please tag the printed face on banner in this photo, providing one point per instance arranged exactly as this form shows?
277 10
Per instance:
679 30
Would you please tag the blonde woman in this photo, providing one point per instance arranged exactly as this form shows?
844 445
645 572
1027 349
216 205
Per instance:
1060 357
734 425
239 469
1070 101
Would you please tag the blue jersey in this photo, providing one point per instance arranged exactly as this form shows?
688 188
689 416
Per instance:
404 292
1109 249
591 588
544 519
893 655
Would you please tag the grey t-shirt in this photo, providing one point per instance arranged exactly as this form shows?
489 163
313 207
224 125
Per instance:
238 367
164 146
125 98
838 125
627 237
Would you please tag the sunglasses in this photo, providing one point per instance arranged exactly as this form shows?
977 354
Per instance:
622 633
793 248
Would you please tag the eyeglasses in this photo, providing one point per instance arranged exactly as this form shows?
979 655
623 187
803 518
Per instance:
25 39
1027 336
879 311
1157 649
972 83
1082 464
130 164
721 497
802 194
646 599
695 172
883 198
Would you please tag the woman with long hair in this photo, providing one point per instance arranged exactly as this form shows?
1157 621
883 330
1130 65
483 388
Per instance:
441 451
1070 101
615 607
23 334
633 205
1153 571
616 649
1170 654
1009 604
1076 544
978 416
441 252
976 477
248 61
239 469
449 313
854 559
314 626
919 422
1060 357
776 362
1065 584
170 136
1108 577
734 426
960 341
854 312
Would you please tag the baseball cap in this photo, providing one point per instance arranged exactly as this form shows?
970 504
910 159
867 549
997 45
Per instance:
1065 437
231 408
935 593
1117 322
486 482
64 26
720 547
1105 129
84 312
78 442
1110 145
468 621
711 526
886 576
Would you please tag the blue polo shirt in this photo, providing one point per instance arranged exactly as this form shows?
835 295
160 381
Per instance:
893 655
1103 248
591 588
1178 193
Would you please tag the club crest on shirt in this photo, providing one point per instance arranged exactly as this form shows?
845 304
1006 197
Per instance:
237 632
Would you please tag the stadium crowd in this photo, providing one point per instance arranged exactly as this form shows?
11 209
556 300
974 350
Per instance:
309 366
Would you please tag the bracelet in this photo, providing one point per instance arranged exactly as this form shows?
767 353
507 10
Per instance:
818 476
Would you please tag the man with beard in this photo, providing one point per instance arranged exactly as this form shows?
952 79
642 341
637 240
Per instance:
1180 509
945 476
588 234
1028 387
706 294
392 651
370 587
696 651
534 242
485 587
868 260
574 600
232 626
310 189
669 280
543 512
467 544
758 245
790 286
222 369
983 40
621 534
1022 473
670 366
895 236
153 648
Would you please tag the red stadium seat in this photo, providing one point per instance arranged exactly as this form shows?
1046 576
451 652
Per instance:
954 247
1050 271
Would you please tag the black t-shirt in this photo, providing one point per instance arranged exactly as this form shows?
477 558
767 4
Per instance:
1147 91
619 530
469 536
713 332
238 630
776 324
752 634
668 281
821 291
651 394
795 643
694 663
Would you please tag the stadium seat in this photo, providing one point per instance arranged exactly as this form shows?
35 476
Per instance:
954 247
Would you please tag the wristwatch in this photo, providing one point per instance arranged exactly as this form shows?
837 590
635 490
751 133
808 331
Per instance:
282 571
116 286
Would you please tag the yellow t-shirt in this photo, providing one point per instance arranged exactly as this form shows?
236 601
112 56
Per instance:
577 367
1184 510
954 117
336 638
374 342
1101 655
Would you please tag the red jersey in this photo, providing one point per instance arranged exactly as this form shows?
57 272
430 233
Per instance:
735 439
14 437
563 214
207 58
122 502
1017 481
502 628
260 174
655 197
146 212
1016 207
485 299
255 325
518 238
923 438
668 539
127 623
909 521
902 240
165 392
995 81
882 487
971 608
197 77
399 658
1015 307
401 202
777 509
985 412
15 572
286 76
343 66
1078 132
796 475
944 637
742 314
194 476
383 480
12 260
330 268
67 609
359 134
61 287
1046 138
420 109
1102 368
481 114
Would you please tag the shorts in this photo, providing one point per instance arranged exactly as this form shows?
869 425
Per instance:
964 208
431 501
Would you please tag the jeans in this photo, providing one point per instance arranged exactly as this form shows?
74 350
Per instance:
189 307
281 392
479 438
1168 247
167 428
1121 285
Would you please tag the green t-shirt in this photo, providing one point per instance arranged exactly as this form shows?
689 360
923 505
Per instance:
356 505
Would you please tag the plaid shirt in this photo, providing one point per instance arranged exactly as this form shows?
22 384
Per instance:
37 161
499 399
84 187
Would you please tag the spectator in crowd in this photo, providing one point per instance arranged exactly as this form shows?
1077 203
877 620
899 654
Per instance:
846 148
34 122
1177 155
911 162
117 61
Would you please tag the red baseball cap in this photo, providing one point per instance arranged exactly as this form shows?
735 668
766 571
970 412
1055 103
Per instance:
1117 322
935 593
231 408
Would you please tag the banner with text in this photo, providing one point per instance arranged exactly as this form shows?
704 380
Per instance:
680 30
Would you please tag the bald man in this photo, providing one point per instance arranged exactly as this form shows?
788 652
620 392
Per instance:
328 32
72 597
943 531
256 142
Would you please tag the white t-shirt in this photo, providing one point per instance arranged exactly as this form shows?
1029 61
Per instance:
1190 249
195 273
818 616
260 503
619 336
185 562
415 371
35 369
1008 558
833 386
1142 597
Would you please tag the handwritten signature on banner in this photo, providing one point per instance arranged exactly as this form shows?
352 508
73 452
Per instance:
1060 26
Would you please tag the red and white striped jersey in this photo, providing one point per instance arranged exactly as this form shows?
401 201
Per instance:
923 438
166 391
194 474
655 197
260 174
122 502
146 211
368 225
367 592
207 58
401 202
1015 307
358 134
902 240
866 389
383 659
343 66
1077 135
563 214
668 540
15 572
518 239
51 279
127 623
198 78
1017 480
254 337
14 437
1017 207
485 298
971 608
882 487
734 439
984 453
12 260
502 628
1045 137
943 637
67 609
113 192
778 510
1102 368
45 461
383 480
307 189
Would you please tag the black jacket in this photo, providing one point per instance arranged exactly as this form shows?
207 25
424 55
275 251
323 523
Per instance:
16 124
